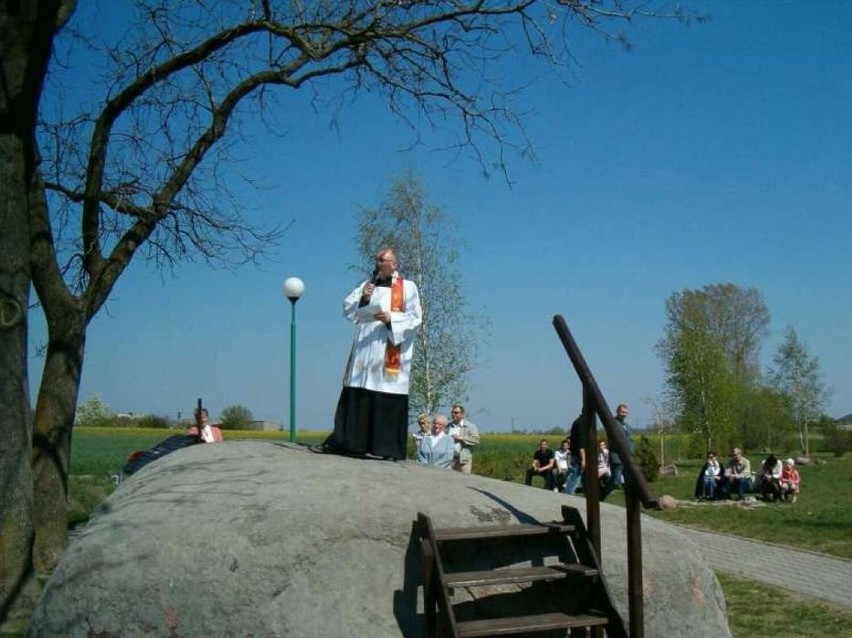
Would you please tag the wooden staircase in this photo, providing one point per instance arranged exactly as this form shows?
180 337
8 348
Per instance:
514 580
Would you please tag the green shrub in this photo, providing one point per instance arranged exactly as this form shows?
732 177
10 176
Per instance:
123 421
235 417
836 439
647 459
153 421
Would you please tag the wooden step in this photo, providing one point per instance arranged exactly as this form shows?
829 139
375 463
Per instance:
500 531
523 624
509 575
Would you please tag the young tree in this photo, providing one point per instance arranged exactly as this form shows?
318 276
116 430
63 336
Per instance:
135 166
739 319
711 349
236 417
797 376
427 247
93 412
767 421
701 390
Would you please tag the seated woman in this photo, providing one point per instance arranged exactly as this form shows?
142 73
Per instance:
209 433
790 481
770 478
708 483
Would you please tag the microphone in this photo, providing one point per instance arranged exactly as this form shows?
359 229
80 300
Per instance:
374 279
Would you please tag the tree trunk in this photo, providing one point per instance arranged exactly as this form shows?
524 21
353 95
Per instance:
52 426
17 586
26 36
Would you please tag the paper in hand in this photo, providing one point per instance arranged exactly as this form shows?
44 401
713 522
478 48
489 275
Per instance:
365 313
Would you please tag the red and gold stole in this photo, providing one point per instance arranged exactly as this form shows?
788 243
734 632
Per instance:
393 354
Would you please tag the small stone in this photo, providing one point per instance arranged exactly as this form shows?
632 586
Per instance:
667 502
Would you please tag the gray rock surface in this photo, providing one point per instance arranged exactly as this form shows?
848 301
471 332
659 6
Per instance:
252 538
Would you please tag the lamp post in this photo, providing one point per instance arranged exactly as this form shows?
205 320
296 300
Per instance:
293 290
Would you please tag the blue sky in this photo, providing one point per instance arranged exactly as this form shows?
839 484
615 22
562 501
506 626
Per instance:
720 152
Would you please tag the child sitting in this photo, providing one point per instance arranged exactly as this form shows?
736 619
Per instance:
790 481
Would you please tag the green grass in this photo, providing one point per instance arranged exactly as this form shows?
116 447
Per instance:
761 611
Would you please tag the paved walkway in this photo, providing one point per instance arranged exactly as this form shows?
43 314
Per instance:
808 573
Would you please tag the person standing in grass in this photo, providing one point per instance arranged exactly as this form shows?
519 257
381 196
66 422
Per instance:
423 431
465 437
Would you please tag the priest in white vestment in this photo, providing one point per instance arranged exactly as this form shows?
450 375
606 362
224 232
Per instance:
372 412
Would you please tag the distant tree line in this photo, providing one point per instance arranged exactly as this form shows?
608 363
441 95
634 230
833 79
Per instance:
95 413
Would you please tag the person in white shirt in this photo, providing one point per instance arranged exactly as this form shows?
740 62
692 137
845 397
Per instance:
710 478
563 459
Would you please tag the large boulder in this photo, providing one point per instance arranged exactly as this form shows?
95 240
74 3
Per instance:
252 538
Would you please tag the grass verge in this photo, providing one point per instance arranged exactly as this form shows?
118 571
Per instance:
761 611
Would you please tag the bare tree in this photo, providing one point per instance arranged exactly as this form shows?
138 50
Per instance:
427 246
139 170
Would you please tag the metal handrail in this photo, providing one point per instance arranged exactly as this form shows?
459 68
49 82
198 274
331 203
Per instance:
637 491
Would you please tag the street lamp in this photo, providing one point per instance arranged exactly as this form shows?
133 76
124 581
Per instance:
293 289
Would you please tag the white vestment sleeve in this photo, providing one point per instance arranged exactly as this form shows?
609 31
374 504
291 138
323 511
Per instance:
350 304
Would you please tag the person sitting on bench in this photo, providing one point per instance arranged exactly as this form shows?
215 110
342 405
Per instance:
544 464
790 481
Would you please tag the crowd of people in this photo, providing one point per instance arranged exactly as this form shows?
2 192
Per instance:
440 443
562 470
775 481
